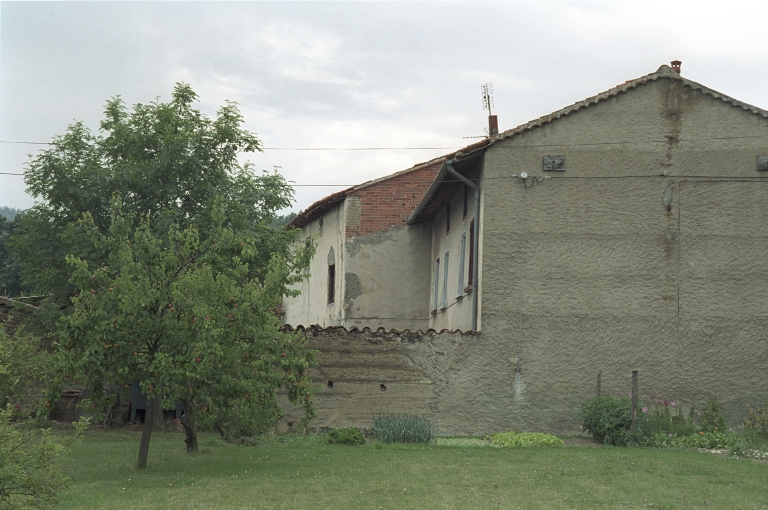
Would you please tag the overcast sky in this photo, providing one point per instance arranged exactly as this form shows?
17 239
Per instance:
352 75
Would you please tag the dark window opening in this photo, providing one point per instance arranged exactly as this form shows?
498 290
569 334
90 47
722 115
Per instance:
331 284
466 201
330 385
382 387
471 275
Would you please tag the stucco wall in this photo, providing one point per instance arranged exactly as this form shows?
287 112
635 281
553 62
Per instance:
311 306
387 279
457 312
365 373
646 254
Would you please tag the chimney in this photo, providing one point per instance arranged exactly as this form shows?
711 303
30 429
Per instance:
493 125
676 66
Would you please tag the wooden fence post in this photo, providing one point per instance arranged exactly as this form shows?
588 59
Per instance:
633 425
599 376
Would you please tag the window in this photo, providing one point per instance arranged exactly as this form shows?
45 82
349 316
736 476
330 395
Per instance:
445 282
471 275
447 218
331 283
462 249
466 202
436 280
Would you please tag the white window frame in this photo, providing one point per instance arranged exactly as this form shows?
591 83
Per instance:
436 280
462 260
445 281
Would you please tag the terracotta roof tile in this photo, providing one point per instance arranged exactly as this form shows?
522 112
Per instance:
316 328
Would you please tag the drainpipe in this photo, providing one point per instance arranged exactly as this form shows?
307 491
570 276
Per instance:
476 240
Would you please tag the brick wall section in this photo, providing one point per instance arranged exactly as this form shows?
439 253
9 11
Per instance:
388 203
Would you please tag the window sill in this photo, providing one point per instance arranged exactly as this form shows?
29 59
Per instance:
459 297
468 289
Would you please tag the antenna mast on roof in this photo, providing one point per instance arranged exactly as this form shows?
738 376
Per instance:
493 122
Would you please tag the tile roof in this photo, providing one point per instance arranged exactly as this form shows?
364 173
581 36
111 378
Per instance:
324 204
663 72
423 213
340 330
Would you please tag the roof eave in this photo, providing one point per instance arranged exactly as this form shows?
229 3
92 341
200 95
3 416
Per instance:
468 152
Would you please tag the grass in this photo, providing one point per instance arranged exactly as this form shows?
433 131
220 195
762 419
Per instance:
303 472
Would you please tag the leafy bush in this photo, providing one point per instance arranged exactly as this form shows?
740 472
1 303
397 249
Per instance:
608 419
23 364
525 439
29 471
713 417
756 420
402 428
664 417
708 440
349 436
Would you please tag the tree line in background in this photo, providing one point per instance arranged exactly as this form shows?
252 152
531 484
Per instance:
158 257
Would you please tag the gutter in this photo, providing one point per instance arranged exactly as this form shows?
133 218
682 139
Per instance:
476 240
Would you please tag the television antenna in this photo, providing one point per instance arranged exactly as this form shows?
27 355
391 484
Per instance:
487 90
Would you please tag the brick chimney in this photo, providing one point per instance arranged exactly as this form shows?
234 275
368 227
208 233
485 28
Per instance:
676 66
493 125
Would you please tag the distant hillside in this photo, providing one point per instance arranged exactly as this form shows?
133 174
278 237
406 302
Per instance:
9 212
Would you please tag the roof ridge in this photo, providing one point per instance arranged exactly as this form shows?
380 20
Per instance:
664 71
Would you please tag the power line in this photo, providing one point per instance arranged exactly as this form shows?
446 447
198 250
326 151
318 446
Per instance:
624 142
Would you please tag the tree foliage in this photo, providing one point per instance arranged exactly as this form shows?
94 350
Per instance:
186 316
10 272
30 474
24 365
162 257
168 161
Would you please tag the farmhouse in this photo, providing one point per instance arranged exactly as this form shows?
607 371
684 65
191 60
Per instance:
624 232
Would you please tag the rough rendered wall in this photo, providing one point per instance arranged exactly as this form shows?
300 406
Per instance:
457 312
311 306
387 279
647 253
379 372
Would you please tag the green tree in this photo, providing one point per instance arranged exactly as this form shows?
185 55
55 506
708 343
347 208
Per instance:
24 365
168 161
187 314
30 474
29 470
155 269
10 271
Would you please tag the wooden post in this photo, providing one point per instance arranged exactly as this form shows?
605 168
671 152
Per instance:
633 425
599 375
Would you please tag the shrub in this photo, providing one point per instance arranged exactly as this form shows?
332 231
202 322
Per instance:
348 436
659 416
29 470
402 428
23 364
708 440
525 439
712 417
756 420
608 418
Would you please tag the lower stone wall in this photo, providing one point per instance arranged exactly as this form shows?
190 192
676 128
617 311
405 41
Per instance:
364 373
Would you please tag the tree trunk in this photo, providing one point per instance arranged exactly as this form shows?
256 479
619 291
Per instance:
152 403
220 429
157 414
188 422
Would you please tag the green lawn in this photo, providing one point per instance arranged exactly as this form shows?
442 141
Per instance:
301 472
